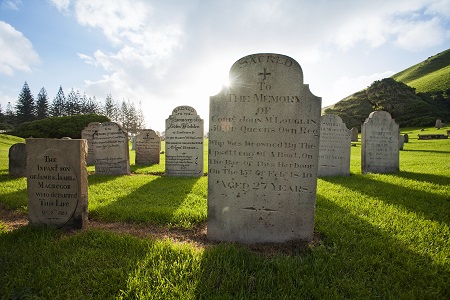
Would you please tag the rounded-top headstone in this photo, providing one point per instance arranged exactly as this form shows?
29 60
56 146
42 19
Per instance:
264 133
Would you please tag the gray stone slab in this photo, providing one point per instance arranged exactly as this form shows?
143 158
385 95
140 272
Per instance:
88 134
184 143
57 182
354 134
379 144
334 150
148 147
263 153
18 160
401 142
111 151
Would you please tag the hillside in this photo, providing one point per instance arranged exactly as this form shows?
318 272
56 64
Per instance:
416 96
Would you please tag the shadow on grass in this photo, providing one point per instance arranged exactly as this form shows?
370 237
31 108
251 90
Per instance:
354 261
94 179
427 151
430 178
431 206
153 202
18 197
43 263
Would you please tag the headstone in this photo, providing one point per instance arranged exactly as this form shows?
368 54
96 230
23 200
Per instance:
88 134
379 144
184 143
148 147
57 182
406 138
448 132
111 154
438 124
354 134
133 143
263 153
401 142
334 150
18 160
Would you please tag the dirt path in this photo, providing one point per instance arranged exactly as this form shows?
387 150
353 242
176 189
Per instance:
195 236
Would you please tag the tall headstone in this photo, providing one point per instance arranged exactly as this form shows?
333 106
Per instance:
354 134
438 124
334 150
88 134
18 160
379 144
263 153
111 150
57 182
184 143
148 147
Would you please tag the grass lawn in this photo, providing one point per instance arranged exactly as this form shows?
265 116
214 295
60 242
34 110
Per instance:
378 236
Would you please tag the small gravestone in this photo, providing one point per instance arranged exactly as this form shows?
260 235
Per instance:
133 143
406 138
18 160
438 124
148 147
401 142
334 150
379 144
111 154
184 143
263 153
354 134
88 134
57 182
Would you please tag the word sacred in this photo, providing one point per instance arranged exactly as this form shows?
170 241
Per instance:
257 59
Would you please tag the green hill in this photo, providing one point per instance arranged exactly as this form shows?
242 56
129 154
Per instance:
416 96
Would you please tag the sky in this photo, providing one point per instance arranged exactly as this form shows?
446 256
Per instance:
165 54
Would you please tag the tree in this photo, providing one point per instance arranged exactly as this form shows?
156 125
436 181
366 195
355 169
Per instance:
111 110
140 118
42 111
72 104
10 118
25 107
58 105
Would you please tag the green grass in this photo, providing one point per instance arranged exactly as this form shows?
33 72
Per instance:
381 236
429 75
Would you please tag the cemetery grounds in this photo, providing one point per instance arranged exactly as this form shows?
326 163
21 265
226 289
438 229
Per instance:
376 236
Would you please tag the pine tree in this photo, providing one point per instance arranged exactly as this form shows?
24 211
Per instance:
72 104
140 118
58 106
10 118
25 107
42 110
111 109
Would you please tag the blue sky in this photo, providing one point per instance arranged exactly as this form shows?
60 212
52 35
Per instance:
178 52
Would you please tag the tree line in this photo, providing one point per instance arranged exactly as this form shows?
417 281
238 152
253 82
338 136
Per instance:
27 109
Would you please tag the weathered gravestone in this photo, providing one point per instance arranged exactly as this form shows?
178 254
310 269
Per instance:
88 134
438 124
18 160
263 153
406 138
354 134
334 150
184 143
401 142
379 144
111 150
148 147
57 182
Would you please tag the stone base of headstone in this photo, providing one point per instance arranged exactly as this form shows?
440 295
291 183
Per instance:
57 182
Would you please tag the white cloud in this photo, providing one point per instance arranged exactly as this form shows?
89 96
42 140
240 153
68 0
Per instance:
61 5
421 35
11 4
17 53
